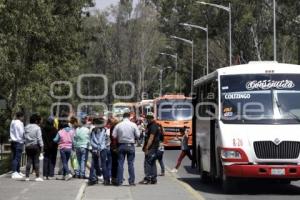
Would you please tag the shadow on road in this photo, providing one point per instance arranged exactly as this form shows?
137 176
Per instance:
249 187
190 170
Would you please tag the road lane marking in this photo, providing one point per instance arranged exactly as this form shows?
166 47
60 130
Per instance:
81 191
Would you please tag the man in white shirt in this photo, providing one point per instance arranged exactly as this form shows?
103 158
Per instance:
17 142
126 133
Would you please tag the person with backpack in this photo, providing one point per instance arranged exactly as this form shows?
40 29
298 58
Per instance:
50 149
33 145
185 149
150 148
161 150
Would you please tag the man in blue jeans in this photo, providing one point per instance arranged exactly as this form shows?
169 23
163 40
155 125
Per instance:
126 132
150 148
17 142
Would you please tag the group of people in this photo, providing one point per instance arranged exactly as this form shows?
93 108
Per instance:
108 141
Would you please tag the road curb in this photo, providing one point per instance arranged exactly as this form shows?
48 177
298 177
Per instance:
186 186
81 191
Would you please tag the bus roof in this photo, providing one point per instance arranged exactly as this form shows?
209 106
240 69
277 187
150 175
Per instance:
173 96
253 67
145 102
124 104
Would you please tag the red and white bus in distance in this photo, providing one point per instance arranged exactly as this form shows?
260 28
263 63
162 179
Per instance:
119 108
247 122
144 107
173 112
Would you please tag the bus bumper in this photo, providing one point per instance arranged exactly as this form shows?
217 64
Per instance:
263 171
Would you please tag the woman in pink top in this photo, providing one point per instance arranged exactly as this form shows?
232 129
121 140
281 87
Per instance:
64 138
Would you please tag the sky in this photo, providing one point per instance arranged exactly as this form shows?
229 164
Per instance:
102 4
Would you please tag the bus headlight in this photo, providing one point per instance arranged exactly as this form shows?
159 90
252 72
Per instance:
230 154
233 155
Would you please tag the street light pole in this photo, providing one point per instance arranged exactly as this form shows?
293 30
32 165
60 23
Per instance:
192 71
175 56
274 30
191 42
206 30
228 9
160 77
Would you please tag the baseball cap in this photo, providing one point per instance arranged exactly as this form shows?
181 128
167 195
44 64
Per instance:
150 115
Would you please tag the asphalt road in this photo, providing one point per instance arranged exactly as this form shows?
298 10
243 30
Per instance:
247 190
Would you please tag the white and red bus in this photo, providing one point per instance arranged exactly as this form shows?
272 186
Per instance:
247 122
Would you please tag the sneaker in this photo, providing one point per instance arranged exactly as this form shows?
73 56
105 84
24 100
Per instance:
16 175
39 179
50 178
45 178
20 173
144 182
174 170
27 179
61 178
100 179
90 183
162 174
68 177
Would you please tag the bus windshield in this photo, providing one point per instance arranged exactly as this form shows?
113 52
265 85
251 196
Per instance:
121 109
262 99
174 110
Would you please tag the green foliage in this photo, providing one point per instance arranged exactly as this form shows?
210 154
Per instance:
40 42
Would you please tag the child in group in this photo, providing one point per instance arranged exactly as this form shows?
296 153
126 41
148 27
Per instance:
185 149
64 138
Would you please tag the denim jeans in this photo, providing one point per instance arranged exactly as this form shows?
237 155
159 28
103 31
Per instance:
150 165
106 164
95 167
129 151
82 156
160 157
16 149
65 155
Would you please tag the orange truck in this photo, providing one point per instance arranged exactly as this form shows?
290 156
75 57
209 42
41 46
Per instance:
174 112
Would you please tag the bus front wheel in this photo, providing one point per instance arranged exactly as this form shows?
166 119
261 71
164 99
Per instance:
229 184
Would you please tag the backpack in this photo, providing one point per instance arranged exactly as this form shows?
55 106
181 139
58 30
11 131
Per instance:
161 133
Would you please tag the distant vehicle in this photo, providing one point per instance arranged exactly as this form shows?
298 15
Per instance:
144 107
247 123
118 109
173 112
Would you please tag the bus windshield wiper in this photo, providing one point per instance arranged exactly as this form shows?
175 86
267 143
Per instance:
295 117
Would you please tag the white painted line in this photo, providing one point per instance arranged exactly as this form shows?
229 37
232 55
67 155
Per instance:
81 191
